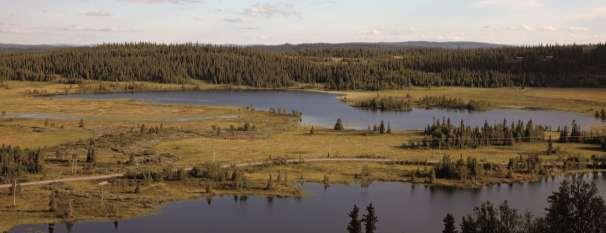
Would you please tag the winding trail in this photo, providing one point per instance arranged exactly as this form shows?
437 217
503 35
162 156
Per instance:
239 165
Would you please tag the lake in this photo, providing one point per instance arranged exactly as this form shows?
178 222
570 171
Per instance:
324 108
400 207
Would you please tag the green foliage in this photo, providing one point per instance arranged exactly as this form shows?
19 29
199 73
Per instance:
14 160
502 219
385 104
453 103
339 125
576 207
444 135
211 171
339 69
449 224
460 169
370 219
355 224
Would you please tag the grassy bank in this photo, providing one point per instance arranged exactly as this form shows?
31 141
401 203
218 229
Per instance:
583 100
136 135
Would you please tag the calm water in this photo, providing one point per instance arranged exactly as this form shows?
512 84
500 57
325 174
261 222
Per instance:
400 207
324 108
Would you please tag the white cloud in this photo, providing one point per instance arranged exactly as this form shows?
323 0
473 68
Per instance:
97 13
238 20
513 4
163 1
594 13
13 29
578 29
387 34
387 31
271 10
79 28
550 28
523 27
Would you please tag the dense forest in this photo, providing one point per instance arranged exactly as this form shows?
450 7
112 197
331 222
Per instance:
442 134
332 68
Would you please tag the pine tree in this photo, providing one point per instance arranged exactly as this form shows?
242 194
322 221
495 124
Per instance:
576 208
339 125
355 224
449 224
370 219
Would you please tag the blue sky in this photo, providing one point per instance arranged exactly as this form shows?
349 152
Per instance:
519 22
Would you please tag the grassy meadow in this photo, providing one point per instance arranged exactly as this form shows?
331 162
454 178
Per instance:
189 137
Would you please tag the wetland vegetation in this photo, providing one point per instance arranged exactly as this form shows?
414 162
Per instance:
201 128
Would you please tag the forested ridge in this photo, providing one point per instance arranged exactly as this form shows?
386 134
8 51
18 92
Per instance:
337 69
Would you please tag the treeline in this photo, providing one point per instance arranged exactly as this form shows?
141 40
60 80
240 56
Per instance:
15 161
453 103
369 69
442 134
576 207
386 104
406 104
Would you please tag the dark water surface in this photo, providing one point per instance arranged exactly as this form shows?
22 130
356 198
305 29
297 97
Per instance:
324 108
400 207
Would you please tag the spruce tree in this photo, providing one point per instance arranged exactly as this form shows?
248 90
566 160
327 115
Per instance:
449 224
355 224
339 125
370 219
382 127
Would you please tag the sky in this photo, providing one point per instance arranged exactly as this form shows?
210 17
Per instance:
514 22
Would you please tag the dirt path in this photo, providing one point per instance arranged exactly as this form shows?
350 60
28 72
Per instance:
240 165
71 179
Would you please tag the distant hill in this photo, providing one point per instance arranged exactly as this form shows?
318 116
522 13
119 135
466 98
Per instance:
296 47
24 47
382 45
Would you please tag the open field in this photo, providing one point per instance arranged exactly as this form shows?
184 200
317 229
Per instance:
181 136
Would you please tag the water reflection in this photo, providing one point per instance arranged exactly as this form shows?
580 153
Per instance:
324 108
400 207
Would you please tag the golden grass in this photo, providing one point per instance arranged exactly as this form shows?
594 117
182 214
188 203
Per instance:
194 143
299 143
583 100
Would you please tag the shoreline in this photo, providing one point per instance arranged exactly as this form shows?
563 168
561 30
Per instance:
152 210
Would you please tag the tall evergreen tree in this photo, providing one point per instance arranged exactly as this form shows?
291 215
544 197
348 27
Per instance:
355 224
370 219
339 125
576 208
449 224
